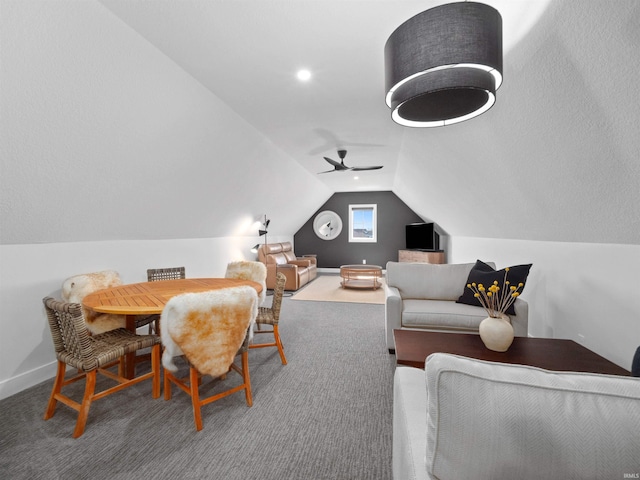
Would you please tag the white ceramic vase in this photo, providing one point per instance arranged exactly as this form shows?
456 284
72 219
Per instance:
496 333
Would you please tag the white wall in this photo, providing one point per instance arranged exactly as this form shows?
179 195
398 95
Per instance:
31 272
573 289
103 137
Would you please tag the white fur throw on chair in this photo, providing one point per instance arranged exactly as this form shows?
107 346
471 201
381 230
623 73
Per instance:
208 328
254 271
75 288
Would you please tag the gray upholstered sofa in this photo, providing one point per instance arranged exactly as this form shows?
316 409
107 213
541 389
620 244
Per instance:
468 419
422 296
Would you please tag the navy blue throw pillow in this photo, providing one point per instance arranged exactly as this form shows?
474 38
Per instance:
635 366
486 275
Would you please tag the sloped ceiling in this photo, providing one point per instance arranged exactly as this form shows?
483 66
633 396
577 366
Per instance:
557 158
247 53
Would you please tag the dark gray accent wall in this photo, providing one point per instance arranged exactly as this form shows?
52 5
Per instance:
393 215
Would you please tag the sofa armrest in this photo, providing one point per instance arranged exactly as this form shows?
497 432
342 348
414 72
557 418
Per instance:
392 314
312 258
409 424
300 263
520 321
290 271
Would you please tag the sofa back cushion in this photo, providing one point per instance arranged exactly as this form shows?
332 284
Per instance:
267 250
271 253
276 253
494 420
287 251
290 256
277 258
429 281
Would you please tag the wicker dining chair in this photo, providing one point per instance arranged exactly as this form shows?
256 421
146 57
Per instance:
92 354
156 275
271 316
76 287
209 329
246 270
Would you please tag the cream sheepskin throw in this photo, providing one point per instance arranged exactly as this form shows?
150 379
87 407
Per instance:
254 271
75 288
208 328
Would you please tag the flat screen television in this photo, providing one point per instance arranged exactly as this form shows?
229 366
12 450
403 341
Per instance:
422 236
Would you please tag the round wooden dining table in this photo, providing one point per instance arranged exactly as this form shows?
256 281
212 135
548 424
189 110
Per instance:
148 298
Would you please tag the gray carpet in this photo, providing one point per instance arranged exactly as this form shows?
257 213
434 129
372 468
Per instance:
325 415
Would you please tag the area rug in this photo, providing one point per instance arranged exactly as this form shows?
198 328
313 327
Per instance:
326 288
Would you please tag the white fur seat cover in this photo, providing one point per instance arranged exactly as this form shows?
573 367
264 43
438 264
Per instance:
75 288
208 328
254 271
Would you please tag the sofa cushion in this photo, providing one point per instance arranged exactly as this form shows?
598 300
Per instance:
443 314
486 274
277 258
493 420
270 248
290 256
425 280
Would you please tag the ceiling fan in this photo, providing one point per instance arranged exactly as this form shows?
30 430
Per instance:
341 167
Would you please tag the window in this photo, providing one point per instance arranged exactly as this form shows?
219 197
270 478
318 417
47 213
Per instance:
363 223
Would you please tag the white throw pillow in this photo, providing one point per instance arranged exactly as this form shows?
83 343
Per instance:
490 420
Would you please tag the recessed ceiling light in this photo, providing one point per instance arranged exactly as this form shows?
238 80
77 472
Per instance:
356 178
304 75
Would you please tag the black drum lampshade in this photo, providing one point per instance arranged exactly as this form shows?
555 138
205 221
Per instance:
444 65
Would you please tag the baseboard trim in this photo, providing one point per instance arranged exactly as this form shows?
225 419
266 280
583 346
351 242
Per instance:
329 270
336 271
25 380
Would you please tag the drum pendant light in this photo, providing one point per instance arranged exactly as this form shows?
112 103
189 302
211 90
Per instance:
444 65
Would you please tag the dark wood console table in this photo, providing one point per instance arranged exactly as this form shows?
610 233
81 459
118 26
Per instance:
413 347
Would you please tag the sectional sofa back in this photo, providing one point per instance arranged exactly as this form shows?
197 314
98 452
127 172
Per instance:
429 281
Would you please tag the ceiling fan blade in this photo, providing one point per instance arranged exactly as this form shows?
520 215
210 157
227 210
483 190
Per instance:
328 171
333 162
359 169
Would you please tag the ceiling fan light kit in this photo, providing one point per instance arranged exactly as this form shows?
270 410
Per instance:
444 65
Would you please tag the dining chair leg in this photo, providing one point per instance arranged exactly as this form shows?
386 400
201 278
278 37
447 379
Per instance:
121 367
247 379
154 327
57 388
167 384
83 412
155 368
276 335
195 397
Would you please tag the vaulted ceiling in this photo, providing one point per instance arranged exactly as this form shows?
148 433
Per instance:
183 118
